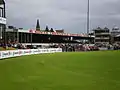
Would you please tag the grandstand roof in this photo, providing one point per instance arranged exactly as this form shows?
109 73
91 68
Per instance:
60 34
52 33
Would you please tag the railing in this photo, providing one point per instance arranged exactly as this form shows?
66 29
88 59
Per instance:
102 33
102 38
101 42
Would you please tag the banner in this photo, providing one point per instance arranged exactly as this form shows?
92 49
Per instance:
16 53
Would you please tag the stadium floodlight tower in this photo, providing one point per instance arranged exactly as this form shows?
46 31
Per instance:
2 21
88 17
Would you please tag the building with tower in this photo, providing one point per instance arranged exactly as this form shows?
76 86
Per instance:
115 35
102 35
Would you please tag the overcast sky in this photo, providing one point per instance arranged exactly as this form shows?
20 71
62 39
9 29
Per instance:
69 15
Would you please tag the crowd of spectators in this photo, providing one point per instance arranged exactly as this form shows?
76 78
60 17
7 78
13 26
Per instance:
9 44
65 47
87 47
76 47
115 46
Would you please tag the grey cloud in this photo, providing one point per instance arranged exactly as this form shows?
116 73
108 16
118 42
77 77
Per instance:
67 14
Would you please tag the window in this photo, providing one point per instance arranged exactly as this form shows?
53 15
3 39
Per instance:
1 12
1 30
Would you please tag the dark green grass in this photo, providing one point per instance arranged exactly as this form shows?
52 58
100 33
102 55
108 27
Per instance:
62 71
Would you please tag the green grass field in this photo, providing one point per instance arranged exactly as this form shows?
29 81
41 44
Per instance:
62 71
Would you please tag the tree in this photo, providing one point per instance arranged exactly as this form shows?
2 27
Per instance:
51 30
47 29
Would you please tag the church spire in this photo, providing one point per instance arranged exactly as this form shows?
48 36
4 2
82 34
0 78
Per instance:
38 25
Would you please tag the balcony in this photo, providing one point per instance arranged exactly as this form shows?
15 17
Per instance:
102 38
101 42
102 33
2 12
3 20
